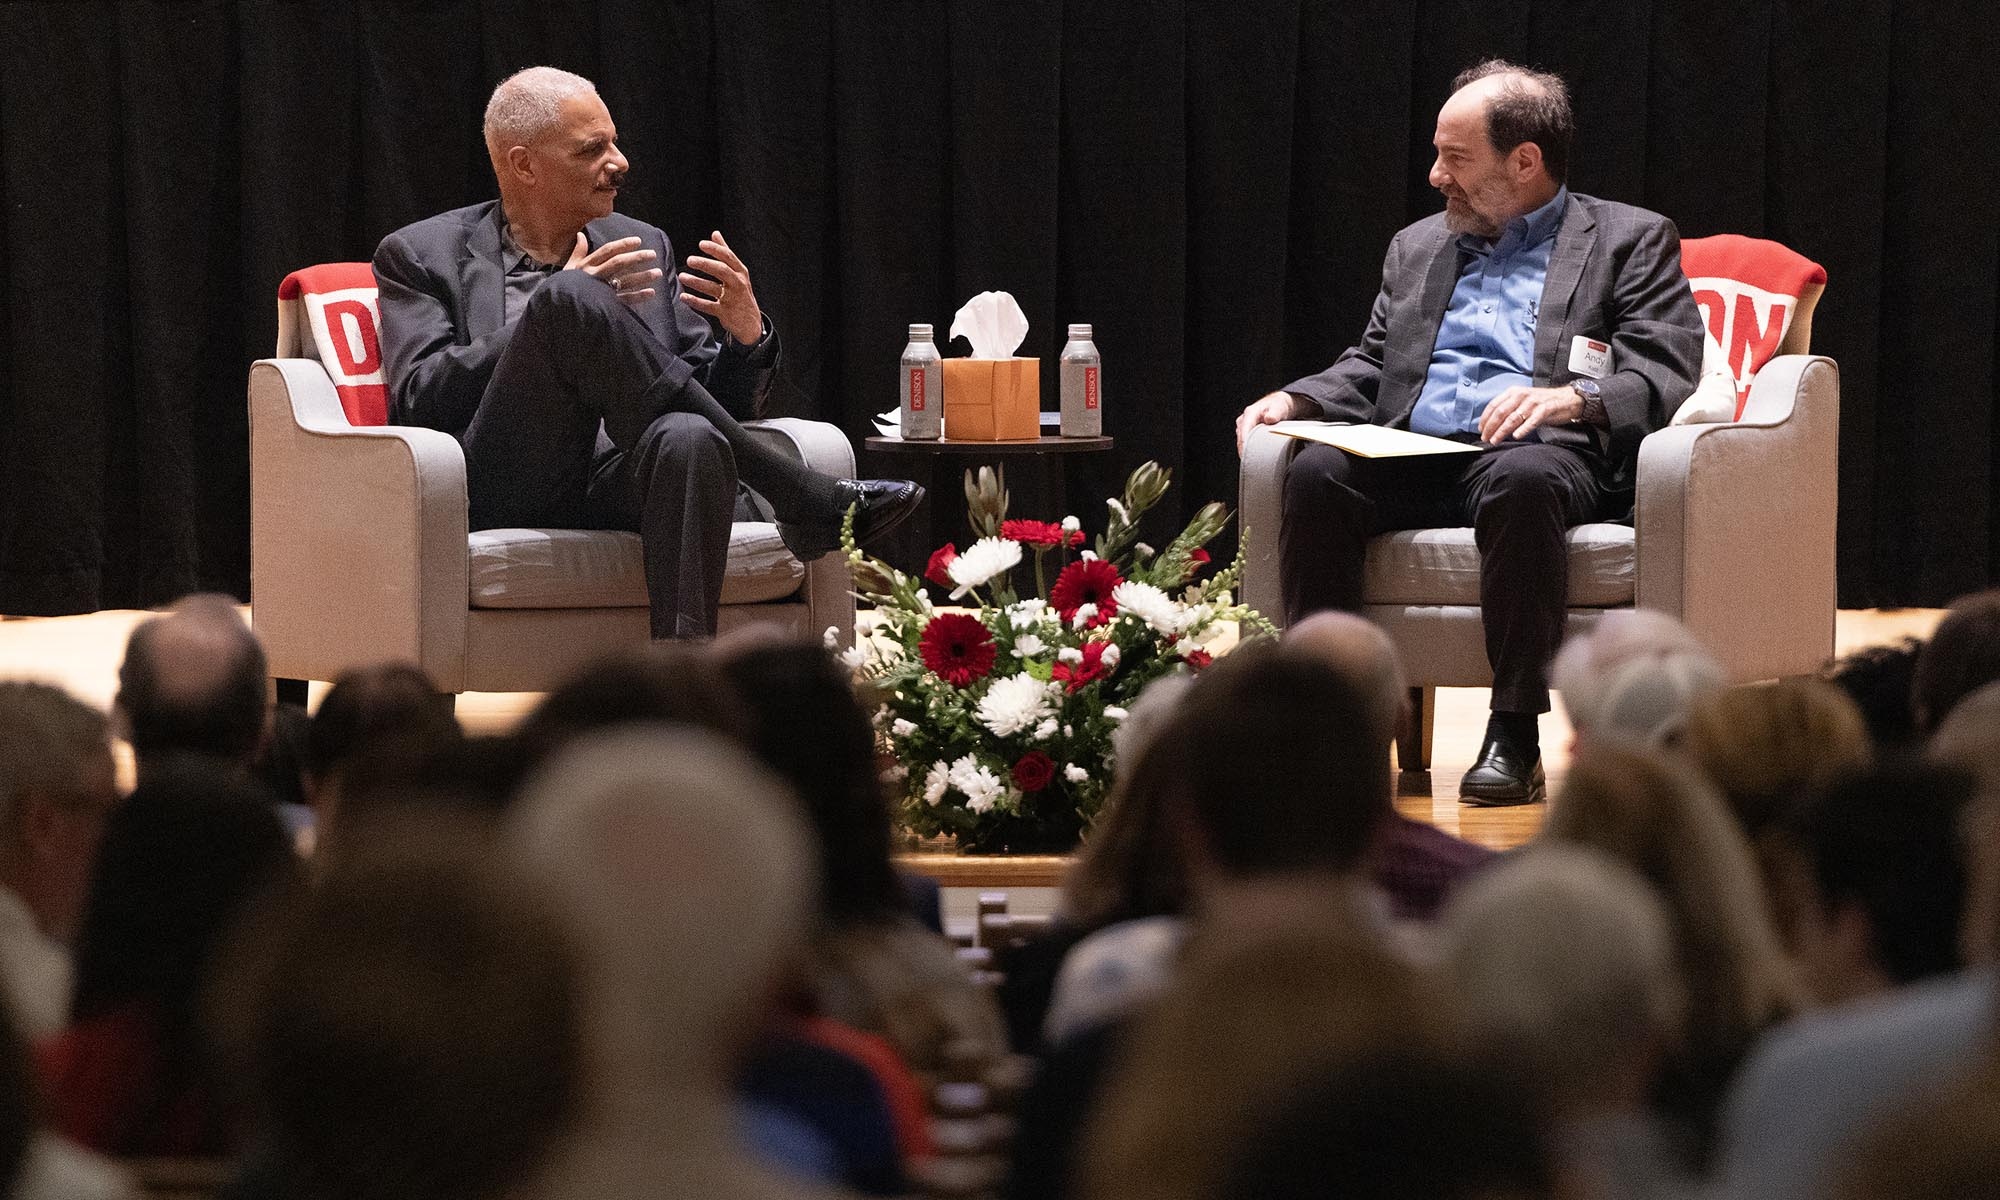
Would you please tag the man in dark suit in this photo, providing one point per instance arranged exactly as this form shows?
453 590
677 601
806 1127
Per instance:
588 388
1554 330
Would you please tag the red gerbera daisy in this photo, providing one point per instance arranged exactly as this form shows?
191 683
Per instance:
1033 533
957 647
937 569
1086 581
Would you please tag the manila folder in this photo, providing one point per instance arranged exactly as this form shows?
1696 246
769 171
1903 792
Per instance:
1372 441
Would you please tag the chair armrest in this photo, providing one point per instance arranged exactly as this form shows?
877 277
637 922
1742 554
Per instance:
1260 508
357 535
1735 522
828 589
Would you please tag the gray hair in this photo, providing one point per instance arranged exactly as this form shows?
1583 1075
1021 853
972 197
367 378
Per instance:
528 105
1358 650
1635 674
49 742
1566 958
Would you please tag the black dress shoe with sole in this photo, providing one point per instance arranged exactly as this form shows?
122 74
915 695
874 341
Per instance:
879 506
1503 776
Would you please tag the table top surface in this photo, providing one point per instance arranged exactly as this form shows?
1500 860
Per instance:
964 446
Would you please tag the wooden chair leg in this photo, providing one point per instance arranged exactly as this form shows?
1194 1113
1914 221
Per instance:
1413 740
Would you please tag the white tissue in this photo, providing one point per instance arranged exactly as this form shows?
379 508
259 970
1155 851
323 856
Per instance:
993 323
889 424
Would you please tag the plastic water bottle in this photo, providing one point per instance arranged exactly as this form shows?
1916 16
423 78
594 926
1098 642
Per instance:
923 387
1082 386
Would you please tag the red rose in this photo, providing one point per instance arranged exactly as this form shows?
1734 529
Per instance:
936 570
1034 770
1198 658
1032 533
1076 675
1086 581
957 647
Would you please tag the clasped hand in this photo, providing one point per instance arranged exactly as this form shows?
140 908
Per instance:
721 289
1519 411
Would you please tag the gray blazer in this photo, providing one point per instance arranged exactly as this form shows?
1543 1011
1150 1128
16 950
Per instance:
443 292
1614 275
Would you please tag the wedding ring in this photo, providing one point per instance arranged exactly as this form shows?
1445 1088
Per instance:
721 293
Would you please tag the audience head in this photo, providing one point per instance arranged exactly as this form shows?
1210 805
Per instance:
1634 676
1665 823
680 826
553 147
1885 878
664 684
1359 652
1565 961
391 710
17 1106
57 787
1962 656
1256 788
1764 745
1969 739
194 681
1879 680
415 1024
1503 141
1132 865
807 725
1402 1124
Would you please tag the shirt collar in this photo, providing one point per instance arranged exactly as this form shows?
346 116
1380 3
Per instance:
518 259
1529 229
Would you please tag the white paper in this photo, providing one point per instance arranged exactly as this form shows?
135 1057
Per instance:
993 323
1372 441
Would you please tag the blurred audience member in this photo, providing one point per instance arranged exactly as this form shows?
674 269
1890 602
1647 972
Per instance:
416 1027
376 727
1766 746
1415 863
1397 1126
874 967
1879 679
57 787
1969 740
676 825
1884 879
1941 1147
666 683
194 682
1633 676
180 861
1564 960
1665 823
1962 656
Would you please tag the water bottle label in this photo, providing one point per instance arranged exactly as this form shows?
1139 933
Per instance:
916 389
1090 387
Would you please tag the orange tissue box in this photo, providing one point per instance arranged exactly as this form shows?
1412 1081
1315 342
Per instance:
992 399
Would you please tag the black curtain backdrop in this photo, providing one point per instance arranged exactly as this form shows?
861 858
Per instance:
1210 184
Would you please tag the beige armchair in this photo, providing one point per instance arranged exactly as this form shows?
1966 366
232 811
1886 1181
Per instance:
360 551
1733 534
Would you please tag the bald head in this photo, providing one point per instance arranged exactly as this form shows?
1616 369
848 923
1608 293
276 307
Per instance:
1519 106
1361 654
194 680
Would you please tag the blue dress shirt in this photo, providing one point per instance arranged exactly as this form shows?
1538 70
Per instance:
1486 342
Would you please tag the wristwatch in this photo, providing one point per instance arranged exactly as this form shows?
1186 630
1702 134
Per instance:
1593 402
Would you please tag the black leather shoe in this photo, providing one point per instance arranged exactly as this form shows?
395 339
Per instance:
879 506
1504 775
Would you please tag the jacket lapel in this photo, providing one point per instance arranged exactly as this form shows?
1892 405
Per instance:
482 280
1572 249
1412 335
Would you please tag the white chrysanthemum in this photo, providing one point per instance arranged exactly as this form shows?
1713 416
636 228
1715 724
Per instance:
831 637
1014 704
895 773
856 656
1069 654
1082 617
902 727
1026 614
1028 645
1151 605
982 787
1114 713
936 780
1111 656
1074 773
981 561
1046 730
1071 524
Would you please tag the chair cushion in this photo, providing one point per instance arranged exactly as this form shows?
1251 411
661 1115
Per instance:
595 568
1441 566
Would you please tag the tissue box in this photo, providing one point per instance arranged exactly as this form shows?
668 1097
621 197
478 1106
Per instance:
992 399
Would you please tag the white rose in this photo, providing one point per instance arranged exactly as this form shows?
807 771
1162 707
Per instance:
1074 773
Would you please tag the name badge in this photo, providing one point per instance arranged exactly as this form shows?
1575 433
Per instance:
1589 358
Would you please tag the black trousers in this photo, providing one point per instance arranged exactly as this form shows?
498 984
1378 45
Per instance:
1519 500
590 422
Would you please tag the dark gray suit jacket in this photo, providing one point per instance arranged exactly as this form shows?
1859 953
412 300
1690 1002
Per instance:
1614 275
444 307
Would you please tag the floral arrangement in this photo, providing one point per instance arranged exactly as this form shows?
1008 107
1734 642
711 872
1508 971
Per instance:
999 713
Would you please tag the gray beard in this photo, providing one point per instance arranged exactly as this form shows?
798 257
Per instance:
1461 219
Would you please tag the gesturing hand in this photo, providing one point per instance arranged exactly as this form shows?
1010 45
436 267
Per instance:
1518 411
622 264
722 290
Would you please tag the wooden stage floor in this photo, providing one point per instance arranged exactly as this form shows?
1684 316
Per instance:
81 653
